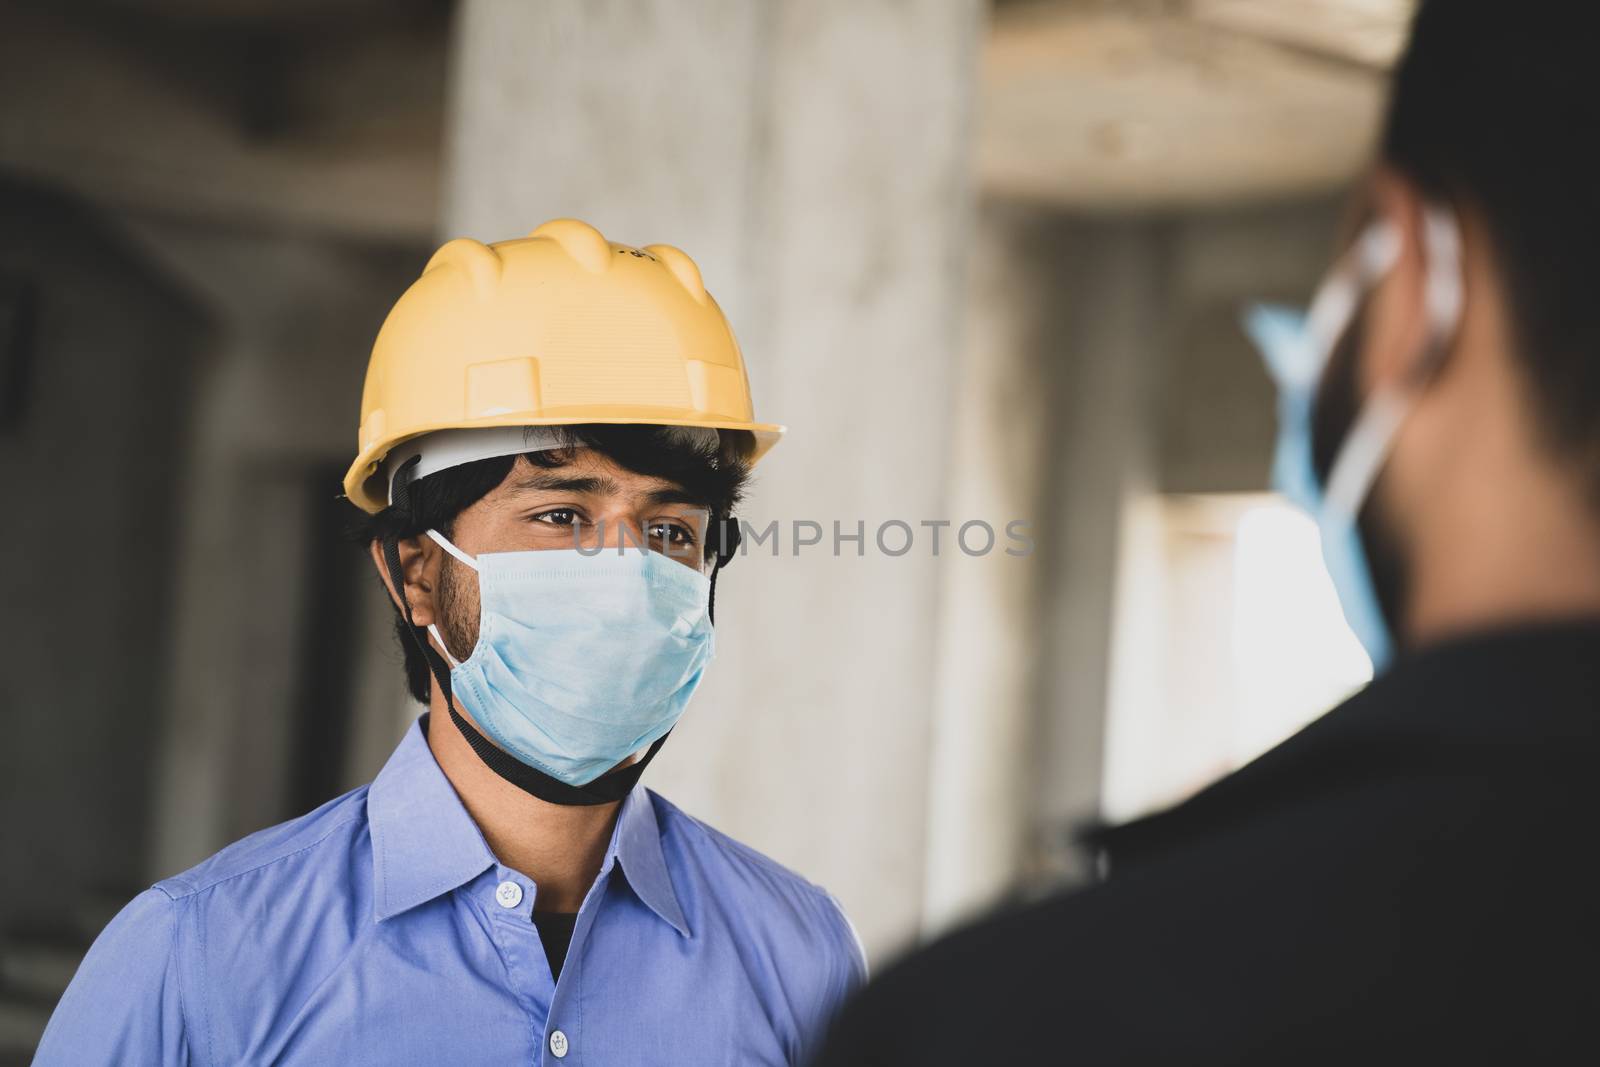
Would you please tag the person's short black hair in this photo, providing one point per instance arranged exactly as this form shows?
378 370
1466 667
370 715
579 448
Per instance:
712 476
1494 107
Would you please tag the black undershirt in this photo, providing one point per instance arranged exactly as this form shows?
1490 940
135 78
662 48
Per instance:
555 933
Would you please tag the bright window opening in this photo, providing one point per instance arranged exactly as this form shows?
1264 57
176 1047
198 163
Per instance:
1228 639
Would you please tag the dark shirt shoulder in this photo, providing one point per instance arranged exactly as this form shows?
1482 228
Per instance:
1407 881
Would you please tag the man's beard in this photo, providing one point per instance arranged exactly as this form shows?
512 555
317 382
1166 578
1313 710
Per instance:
458 619
1337 405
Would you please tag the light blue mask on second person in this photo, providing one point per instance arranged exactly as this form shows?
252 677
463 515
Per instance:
1296 347
582 659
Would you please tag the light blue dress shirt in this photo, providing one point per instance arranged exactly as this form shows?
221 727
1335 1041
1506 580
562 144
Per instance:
380 929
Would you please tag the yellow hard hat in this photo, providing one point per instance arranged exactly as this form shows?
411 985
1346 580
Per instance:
560 328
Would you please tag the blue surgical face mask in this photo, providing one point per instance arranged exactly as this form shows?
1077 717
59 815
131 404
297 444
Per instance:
582 658
1296 347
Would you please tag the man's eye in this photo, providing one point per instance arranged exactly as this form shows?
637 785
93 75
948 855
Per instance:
558 517
672 533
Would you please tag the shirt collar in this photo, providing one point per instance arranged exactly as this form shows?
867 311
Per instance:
424 843
636 845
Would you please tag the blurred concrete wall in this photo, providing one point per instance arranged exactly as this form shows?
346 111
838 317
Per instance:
98 354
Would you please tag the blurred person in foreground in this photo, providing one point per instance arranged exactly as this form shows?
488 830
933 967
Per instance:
554 434
1411 879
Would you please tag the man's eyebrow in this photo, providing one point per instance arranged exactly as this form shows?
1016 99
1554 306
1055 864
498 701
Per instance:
557 483
553 482
675 494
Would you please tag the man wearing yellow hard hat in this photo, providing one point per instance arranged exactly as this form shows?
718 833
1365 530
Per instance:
554 434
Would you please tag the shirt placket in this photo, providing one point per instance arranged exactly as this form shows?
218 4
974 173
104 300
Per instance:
509 898
554 1010
564 1037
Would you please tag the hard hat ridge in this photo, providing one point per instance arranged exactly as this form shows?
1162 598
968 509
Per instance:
585 244
682 268
482 263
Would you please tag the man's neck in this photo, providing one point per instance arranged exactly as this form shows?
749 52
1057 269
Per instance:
1528 553
560 847
1501 529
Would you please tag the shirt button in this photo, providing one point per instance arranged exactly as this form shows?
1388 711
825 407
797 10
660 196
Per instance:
509 894
558 1044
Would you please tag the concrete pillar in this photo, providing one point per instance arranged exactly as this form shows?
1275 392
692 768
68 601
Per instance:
1114 292
1005 436
811 155
1055 424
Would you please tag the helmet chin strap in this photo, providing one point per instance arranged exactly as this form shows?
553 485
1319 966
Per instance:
609 787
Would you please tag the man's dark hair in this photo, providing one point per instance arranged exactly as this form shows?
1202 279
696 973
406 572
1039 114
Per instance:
713 477
1495 107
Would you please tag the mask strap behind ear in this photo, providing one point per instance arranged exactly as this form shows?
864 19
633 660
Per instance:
444 542
1374 255
1357 465
437 636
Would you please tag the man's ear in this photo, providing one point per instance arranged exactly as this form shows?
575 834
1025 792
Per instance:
1395 321
419 566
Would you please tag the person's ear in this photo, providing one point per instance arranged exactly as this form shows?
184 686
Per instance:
420 560
1395 320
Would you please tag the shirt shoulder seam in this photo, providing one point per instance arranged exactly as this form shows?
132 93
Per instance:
190 888
180 906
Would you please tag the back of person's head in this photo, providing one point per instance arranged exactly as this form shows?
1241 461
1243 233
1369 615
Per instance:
1495 107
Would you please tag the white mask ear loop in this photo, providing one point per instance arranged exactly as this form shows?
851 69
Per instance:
1374 255
434 630
443 542
1366 446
